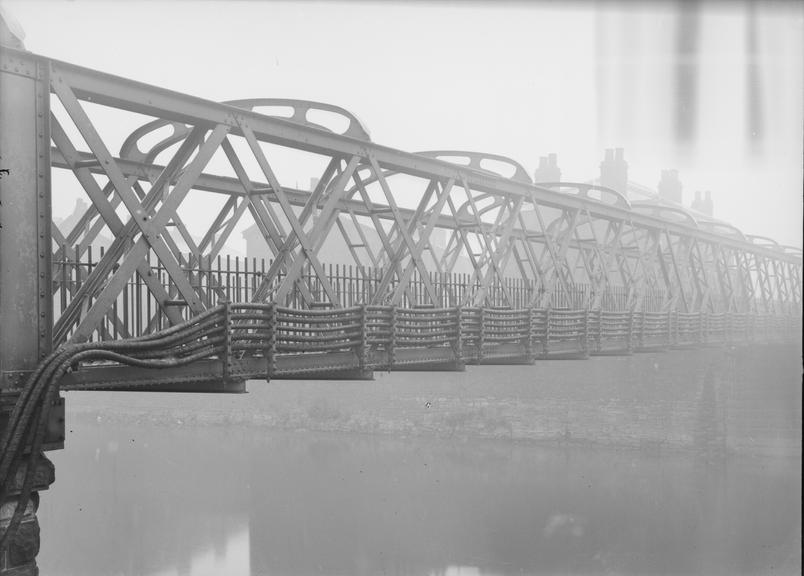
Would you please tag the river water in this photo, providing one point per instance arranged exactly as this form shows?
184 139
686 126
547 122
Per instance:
161 496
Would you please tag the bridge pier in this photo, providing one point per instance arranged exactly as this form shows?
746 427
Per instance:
18 558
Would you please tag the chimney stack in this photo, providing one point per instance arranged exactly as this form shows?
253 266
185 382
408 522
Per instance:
670 187
708 206
548 170
614 171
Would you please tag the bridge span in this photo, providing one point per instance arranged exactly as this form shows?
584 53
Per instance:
549 270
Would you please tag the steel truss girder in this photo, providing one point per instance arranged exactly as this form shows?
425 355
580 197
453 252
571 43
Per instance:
231 187
109 90
682 259
355 207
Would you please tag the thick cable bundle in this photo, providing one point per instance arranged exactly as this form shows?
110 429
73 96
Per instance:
200 338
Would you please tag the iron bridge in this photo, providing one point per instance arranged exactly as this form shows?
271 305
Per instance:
456 257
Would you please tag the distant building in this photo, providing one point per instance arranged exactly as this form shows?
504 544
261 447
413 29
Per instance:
548 170
256 246
66 225
614 175
703 205
614 171
670 187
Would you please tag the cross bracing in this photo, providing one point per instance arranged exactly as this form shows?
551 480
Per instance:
490 221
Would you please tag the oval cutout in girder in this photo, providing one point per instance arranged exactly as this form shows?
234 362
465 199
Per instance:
461 160
332 121
276 111
504 169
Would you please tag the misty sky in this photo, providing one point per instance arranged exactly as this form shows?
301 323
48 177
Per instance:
520 79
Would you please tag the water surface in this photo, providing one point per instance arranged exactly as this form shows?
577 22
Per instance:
170 497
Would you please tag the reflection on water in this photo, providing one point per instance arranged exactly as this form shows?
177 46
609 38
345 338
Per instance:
311 503
140 495
232 559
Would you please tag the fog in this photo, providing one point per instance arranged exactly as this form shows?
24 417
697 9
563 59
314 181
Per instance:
711 89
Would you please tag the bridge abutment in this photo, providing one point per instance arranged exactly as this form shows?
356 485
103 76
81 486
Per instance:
18 558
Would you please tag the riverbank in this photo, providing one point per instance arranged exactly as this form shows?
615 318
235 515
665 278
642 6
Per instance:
715 400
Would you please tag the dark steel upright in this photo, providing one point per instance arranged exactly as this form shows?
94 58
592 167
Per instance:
26 314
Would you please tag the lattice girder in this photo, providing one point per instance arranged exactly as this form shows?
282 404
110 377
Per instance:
567 239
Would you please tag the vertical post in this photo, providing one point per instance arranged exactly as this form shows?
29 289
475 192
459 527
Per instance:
599 314
458 334
25 257
585 333
727 328
630 336
25 277
669 328
641 335
701 327
227 340
548 320
481 338
392 339
270 348
363 348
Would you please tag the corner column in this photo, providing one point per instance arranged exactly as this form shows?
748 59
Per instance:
25 279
